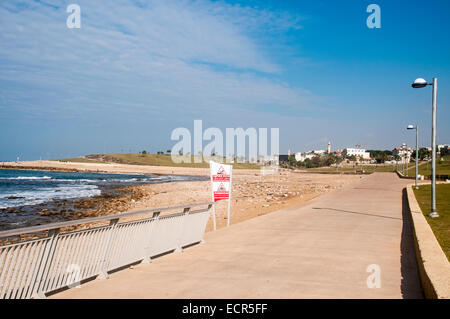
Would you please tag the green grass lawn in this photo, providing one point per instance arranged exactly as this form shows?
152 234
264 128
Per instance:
150 159
358 168
440 225
442 168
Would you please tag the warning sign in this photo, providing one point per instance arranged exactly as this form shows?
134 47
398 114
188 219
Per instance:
221 175
220 180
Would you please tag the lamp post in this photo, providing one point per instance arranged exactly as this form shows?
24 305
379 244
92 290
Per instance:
406 160
420 83
412 127
403 158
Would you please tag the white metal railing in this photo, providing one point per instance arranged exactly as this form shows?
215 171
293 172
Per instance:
32 268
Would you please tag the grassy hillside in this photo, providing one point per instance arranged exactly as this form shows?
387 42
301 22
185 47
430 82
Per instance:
150 159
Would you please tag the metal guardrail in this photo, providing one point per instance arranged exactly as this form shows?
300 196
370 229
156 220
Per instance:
32 268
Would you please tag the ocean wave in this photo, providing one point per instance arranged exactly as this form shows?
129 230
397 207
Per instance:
42 195
77 180
19 190
28 177
113 180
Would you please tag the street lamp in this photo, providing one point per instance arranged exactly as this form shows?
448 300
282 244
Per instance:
420 83
412 127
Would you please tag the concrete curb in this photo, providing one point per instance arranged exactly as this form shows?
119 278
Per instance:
405 177
434 267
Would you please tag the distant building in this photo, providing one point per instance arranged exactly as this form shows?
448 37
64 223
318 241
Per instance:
301 157
441 147
403 153
329 148
283 158
358 152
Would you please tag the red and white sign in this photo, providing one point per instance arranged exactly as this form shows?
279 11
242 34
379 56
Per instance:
220 180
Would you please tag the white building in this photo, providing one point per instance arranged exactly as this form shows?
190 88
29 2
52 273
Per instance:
400 151
358 152
301 157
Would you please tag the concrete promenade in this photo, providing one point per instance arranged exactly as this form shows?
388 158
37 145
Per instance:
319 250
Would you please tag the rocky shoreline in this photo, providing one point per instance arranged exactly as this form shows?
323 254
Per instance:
113 199
49 168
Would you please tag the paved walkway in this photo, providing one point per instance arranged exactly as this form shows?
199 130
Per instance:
320 250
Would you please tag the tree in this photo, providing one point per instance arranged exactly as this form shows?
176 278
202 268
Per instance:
423 153
380 156
308 163
315 161
331 160
144 152
292 161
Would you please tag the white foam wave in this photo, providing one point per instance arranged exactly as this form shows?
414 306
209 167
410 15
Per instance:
28 177
47 194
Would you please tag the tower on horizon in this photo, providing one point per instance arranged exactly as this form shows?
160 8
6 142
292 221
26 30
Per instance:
329 148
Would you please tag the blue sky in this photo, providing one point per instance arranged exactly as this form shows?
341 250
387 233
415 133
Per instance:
136 70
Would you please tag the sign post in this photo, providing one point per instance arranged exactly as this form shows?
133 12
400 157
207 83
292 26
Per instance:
212 197
229 198
221 176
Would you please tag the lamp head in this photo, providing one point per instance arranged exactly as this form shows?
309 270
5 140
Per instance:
419 83
410 127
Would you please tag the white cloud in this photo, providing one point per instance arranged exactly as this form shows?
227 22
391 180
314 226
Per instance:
153 57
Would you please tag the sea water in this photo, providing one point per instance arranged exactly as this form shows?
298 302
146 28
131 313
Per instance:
31 187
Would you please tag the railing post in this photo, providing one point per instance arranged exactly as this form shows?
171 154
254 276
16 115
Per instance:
209 213
104 268
147 258
45 260
179 248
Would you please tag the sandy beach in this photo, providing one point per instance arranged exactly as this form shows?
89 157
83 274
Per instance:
252 195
